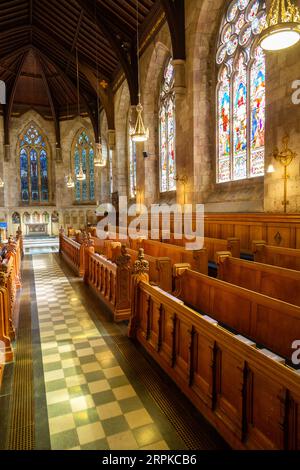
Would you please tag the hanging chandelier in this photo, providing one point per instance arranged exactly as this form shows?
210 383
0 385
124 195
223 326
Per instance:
70 182
99 160
81 176
139 133
282 28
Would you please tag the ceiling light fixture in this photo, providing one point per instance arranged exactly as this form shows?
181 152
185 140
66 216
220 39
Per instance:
139 133
99 160
81 176
282 28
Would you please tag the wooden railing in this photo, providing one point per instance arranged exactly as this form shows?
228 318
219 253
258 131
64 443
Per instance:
111 281
73 253
10 281
251 399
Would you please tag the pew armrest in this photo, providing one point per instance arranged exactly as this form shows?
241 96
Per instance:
178 272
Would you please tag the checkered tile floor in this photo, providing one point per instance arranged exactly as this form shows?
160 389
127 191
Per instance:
91 403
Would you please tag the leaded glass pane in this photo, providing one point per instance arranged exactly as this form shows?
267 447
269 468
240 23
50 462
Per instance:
84 183
84 154
92 174
224 128
241 93
33 166
167 131
132 167
24 176
257 114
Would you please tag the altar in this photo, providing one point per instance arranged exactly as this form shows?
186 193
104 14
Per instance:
36 229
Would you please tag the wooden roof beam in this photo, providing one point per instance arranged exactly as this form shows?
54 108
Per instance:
105 95
9 106
126 55
52 105
175 13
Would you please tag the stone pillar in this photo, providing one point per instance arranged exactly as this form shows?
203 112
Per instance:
6 152
180 82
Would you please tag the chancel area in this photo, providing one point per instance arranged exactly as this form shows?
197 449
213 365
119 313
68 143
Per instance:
118 331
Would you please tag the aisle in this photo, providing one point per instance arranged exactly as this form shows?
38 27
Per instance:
91 403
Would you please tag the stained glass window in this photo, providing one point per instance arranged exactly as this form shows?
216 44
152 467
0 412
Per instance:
167 131
132 167
84 153
111 177
34 166
241 92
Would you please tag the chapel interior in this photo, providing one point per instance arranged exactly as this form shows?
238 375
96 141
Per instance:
148 342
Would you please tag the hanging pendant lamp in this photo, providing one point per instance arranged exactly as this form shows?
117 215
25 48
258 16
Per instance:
80 176
282 29
70 182
139 133
1 183
99 160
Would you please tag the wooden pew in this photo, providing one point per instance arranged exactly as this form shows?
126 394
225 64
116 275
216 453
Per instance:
269 322
73 253
251 399
198 260
213 245
160 269
279 283
10 281
280 230
276 256
111 282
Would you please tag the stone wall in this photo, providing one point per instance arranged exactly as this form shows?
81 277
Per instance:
283 118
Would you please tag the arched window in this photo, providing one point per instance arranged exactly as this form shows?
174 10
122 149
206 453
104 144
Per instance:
34 166
241 93
84 153
132 167
167 131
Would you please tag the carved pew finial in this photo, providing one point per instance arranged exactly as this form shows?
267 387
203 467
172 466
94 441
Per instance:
123 260
2 279
140 274
141 266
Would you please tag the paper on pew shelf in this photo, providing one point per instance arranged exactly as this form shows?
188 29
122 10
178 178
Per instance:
273 356
170 296
210 320
245 340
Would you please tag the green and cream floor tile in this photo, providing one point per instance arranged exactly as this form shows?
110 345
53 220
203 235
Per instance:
90 401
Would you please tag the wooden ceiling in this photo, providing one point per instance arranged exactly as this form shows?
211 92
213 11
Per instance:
39 39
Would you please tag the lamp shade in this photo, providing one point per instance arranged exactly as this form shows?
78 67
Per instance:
282 28
99 160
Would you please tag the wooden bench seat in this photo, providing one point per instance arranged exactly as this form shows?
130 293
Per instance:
198 260
273 281
267 321
277 256
160 269
212 245
244 392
